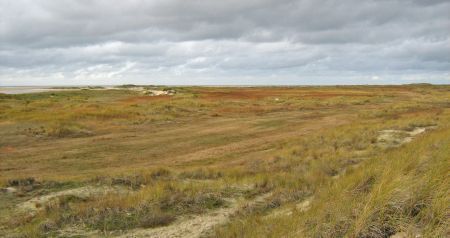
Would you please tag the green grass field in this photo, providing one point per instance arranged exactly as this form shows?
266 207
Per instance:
347 161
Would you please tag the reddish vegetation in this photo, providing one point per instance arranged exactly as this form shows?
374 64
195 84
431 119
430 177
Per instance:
239 94
330 95
141 99
7 149
420 112
251 93
248 109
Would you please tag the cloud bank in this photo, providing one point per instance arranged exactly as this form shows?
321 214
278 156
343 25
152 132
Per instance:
224 42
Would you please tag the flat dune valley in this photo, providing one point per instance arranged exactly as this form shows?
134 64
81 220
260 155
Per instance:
153 161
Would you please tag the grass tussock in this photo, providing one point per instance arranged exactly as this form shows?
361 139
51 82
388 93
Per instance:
62 130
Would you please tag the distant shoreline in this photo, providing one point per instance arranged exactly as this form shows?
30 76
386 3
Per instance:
211 85
48 88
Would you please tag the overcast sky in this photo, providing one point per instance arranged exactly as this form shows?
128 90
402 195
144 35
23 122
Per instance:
60 42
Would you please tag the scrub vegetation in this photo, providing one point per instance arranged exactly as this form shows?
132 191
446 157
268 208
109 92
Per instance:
347 161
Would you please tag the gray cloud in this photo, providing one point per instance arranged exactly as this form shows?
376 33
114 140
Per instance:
224 42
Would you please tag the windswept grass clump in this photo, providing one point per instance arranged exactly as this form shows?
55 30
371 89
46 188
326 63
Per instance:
403 191
64 129
201 173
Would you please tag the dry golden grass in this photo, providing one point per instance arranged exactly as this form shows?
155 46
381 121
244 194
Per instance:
168 157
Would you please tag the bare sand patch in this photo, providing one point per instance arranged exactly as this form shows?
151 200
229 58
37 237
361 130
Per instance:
396 138
38 203
197 225
302 206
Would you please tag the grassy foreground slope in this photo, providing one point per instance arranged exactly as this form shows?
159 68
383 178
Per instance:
403 191
227 162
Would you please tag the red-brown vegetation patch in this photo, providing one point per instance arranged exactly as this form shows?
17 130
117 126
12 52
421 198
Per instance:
331 94
414 112
250 93
7 149
242 93
248 109
143 99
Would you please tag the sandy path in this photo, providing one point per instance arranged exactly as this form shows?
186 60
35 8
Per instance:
38 203
196 226
188 228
